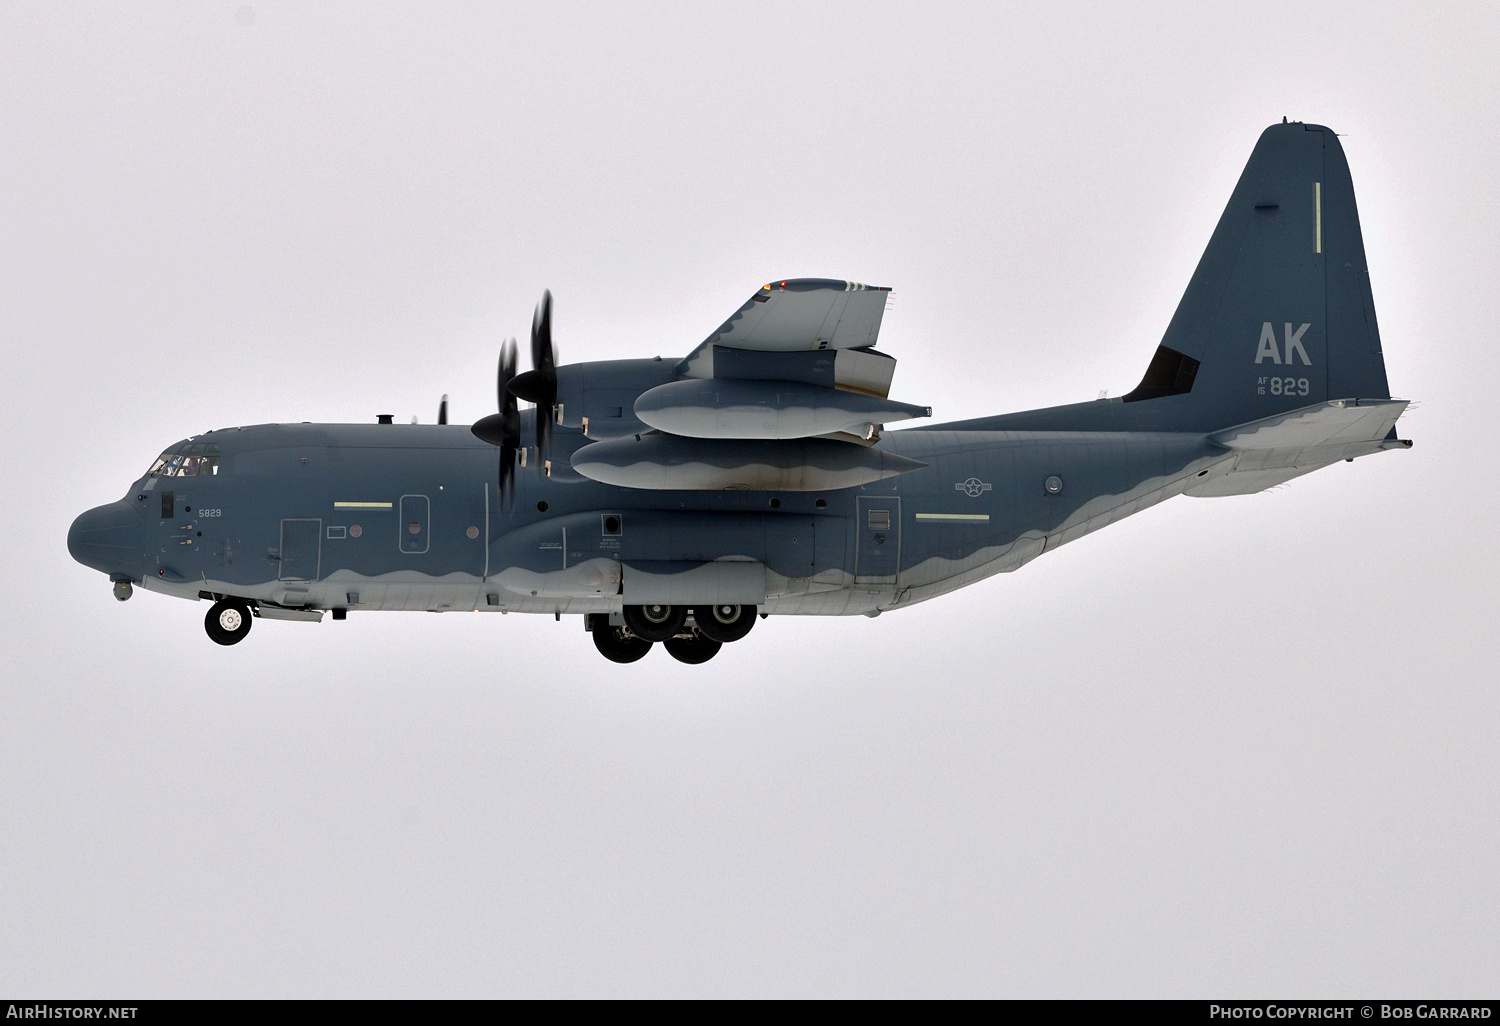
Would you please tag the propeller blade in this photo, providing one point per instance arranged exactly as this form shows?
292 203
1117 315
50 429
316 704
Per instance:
505 375
443 411
503 429
507 474
541 333
544 366
512 417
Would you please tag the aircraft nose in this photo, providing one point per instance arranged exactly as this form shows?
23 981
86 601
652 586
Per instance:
109 539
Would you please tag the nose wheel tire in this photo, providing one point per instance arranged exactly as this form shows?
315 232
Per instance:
655 622
618 645
693 649
228 621
724 623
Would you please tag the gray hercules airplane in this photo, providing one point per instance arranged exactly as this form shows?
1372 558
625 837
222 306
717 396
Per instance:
675 499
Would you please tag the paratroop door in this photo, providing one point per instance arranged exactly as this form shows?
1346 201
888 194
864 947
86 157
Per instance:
300 541
879 530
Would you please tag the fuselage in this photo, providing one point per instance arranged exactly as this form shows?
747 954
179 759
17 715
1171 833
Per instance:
408 517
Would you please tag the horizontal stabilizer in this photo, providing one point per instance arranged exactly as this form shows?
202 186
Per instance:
1331 423
1276 449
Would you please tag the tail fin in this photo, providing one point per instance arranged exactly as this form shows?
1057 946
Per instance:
1279 313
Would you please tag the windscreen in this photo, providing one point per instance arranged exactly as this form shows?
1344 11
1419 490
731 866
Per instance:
188 461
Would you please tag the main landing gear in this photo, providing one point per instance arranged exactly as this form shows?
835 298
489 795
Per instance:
724 623
698 642
692 648
617 644
228 621
655 623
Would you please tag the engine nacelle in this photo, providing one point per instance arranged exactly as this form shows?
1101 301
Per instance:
604 392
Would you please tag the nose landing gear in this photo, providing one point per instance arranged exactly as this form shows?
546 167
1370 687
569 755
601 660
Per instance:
228 621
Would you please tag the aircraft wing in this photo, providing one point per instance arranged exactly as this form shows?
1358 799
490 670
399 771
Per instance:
798 314
787 395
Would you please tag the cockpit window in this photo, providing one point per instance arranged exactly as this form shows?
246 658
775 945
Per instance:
189 461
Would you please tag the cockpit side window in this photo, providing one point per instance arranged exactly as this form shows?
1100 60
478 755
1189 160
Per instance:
190 461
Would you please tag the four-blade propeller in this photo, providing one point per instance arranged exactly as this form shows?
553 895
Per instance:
538 385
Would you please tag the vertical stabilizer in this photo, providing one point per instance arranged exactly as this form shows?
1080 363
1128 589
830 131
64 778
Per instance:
1279 313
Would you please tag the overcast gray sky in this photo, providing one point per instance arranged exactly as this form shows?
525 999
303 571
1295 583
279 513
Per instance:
1237 746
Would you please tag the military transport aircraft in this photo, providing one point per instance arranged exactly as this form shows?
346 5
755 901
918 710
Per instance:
675 499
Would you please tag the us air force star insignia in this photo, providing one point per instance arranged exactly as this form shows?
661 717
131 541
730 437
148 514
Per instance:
973 487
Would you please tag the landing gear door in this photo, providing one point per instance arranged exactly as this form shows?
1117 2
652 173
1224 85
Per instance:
300 549
878 556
